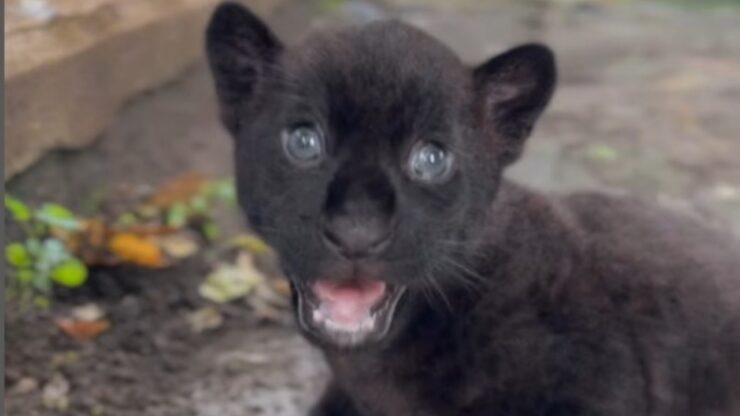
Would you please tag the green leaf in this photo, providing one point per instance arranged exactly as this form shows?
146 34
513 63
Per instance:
177 215
603 153
331 6
210 230
127 219
251 243
58 216
71 273
41 302
53 252
148 211
34 246
199 204
225 190
18 209
41 282
17 255
24 276
231 281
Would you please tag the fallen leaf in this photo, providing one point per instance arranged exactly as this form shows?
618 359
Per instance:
148 211
224 190
179 245
24 386
180 189
56 393
269 304
62 359
241 361
210 230
205 318
127 219
138 250
177 215
250 243
602 153
83 330
88 312
97 409
90 243
150 230
96 232
683 82
266 312
269 294
231 281
282 286
726 192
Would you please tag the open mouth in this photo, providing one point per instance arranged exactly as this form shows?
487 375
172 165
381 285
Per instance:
349 312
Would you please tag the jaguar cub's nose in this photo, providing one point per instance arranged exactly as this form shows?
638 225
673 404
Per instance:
353 239
358 212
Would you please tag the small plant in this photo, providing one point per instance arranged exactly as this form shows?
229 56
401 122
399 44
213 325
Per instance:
42 258
58 246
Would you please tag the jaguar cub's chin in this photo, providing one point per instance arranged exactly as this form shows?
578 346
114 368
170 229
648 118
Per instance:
347 313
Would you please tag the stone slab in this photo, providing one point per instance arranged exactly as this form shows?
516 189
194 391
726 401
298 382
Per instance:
71 64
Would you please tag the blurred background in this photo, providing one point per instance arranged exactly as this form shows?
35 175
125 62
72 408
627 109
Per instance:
134 288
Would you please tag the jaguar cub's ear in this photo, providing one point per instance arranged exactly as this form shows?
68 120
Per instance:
241 51
511 91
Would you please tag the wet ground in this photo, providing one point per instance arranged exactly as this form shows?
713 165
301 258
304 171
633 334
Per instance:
647 104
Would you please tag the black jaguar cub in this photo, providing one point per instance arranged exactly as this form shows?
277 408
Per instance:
371 158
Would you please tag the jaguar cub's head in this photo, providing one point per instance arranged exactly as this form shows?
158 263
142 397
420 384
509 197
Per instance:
367 157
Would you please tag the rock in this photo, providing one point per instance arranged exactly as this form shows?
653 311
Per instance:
55 395
71 64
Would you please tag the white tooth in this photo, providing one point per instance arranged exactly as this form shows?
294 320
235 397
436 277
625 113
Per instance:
318 316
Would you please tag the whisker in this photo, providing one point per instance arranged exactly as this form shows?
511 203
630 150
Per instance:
436 288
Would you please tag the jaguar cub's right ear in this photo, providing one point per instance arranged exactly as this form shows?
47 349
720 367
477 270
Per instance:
512 89
241 50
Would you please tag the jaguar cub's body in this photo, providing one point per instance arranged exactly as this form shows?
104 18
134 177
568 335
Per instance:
595 307
371 158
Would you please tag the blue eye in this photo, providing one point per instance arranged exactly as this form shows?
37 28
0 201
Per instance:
430 162
304 145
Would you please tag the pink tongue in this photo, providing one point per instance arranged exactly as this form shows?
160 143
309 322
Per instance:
349 301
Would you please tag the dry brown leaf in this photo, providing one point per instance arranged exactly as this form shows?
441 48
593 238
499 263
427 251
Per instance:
24 386
137 250
96 231
82 330
204 319
228 282
251 243
55 394
153 230
180 189
281 286
89 243
180 245
88 312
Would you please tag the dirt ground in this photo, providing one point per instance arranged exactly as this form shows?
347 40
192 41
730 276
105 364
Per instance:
647 104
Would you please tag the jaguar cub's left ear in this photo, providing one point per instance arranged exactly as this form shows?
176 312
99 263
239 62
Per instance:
511 90
241 51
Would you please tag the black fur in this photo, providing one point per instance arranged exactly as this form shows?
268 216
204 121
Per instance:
518 303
